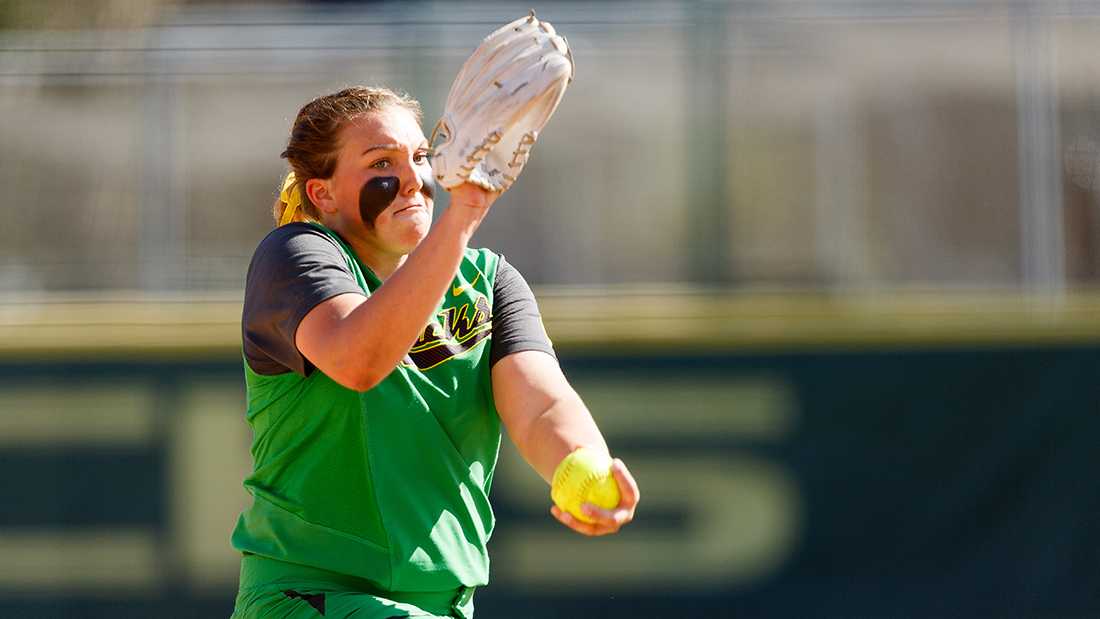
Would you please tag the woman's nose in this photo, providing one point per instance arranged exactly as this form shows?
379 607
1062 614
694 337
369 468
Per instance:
410 180
427 181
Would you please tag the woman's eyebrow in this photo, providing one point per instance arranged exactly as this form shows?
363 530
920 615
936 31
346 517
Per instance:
384 147
423 145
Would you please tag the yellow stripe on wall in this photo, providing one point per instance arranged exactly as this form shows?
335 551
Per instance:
582 320
83 414
63 559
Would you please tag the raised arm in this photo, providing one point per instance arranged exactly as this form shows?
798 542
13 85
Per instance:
357 341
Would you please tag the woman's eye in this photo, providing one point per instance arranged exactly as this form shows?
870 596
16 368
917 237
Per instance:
421 157
381 164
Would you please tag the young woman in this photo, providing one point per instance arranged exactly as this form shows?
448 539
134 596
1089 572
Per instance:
381 357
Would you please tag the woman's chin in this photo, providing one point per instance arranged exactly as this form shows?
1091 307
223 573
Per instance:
414 235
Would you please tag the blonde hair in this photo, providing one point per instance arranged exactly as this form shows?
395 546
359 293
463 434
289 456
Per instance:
315 140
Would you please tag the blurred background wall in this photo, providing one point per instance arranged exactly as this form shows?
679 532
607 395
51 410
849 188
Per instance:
825 272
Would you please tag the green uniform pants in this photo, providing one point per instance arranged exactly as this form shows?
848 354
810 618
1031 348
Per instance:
273 589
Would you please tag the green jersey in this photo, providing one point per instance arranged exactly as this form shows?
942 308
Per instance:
391 484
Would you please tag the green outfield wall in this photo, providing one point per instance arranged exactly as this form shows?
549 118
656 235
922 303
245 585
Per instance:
799 455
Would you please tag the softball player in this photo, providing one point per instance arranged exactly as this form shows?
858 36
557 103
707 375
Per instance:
375 437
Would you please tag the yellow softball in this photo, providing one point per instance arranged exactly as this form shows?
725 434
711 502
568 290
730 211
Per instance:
584 476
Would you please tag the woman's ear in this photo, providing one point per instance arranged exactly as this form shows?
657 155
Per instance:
319 194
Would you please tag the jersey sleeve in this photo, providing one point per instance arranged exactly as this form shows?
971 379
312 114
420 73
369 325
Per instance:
517 324
295 268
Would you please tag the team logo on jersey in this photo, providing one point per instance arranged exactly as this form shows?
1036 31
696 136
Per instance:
452 332
457 290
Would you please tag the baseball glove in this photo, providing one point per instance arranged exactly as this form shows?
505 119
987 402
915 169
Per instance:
500 100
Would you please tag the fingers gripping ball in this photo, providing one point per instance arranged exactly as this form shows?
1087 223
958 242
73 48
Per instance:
584 476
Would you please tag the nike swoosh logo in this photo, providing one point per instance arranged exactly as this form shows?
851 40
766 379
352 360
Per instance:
457 290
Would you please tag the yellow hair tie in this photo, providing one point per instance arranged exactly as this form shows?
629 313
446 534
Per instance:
292 196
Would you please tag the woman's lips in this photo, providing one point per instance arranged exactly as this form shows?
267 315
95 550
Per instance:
411 206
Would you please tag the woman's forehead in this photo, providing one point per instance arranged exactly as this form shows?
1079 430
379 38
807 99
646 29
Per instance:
389 126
